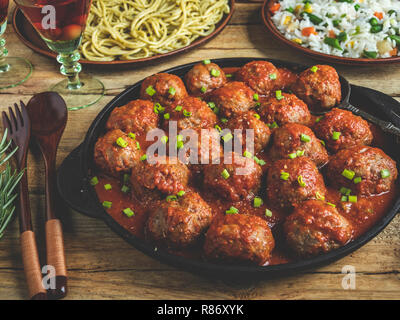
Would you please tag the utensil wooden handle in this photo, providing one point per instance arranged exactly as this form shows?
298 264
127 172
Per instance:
32 268
56 257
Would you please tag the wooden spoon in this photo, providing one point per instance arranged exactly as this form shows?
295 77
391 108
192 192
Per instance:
48 114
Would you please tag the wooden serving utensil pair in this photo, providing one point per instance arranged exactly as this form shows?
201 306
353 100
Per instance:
45 117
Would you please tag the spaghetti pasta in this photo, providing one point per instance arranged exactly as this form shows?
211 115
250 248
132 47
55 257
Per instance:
134 29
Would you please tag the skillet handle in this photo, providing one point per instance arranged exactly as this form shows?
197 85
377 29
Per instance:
73 186
384 125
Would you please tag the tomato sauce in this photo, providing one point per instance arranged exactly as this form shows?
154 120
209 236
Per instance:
377 206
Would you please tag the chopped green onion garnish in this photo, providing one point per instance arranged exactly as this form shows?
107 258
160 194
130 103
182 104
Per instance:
273 125
132 135
143 157
125 189
259 161
228 75
187 113
179 137
232 210
343 199
164 139
121 142
353 199
215 72
179 144
301 181
256 97
305 138
247 154
211 105
257 116
272 76
94 181
128 212
268 213
257 202
227 137
225 174
166 116
178 108
224 120
137 145
331 204
293 155
318 119
357 180
216 110
207 61
258 104
322 142
385 173
107 186
107 204
171 198
181 193
218 128
336 135
150 91
349 174
319 196
285 175
158 108
345 191
203 89
300 153
314 69
278 95
172 91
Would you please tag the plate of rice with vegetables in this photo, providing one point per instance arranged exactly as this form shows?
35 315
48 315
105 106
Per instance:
346 31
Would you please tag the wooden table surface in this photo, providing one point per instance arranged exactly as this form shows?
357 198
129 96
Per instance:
102 266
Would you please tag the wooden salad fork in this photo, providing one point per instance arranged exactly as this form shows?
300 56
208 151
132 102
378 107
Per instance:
19 128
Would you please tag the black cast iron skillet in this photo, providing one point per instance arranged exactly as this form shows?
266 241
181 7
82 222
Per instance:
75 173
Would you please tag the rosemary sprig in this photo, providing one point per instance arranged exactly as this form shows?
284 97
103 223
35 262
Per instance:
9 180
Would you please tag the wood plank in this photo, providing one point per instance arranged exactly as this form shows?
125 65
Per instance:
102 266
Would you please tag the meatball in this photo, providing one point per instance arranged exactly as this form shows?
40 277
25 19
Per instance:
291 181
287 78
208 149
319 87
361 212
289 109
190 113
316 227
341 129
137 116
163 88
250 121
239 238
166 175
116 153
364 170
293 140
261 76
233 99
179 223
204 78
235 177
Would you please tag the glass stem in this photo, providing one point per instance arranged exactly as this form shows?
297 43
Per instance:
70 67
4 66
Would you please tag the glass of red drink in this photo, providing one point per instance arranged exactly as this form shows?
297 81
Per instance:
61 23
13 70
